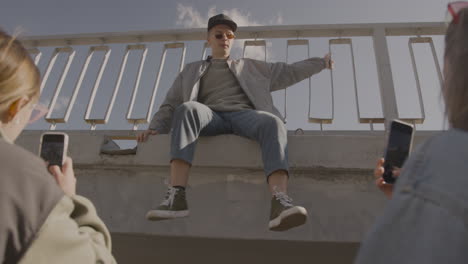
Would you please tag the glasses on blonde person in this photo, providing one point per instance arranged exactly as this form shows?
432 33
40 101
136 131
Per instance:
453 10
228 35
38 111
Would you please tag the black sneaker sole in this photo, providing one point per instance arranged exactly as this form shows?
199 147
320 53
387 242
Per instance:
295 216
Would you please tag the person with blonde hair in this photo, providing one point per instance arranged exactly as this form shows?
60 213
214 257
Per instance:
426 220
42 220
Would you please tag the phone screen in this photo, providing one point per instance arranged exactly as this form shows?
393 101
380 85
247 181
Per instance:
398 148
52 149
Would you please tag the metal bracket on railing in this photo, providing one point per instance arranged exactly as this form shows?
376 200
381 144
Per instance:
137 84
71 55
363 120
175 45
94 121
321 120
71 104
412 41
36 54
255 43
296 42
51 64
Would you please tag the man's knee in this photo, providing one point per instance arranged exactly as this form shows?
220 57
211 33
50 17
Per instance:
189 107
270 121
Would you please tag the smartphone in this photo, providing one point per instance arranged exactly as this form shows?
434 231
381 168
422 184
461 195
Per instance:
398 148
53 148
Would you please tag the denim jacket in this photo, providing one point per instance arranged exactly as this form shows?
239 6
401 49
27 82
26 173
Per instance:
257 78
426 221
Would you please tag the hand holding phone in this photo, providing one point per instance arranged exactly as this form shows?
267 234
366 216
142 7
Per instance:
398 148
385 187
53 148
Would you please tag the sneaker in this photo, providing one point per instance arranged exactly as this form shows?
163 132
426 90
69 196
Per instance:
174 205
284 215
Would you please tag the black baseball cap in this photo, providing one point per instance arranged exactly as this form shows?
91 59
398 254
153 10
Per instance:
222 19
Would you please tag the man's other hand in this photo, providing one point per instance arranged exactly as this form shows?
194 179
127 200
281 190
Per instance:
143 136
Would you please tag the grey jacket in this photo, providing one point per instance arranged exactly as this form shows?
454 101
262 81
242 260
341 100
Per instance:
426 221
257 78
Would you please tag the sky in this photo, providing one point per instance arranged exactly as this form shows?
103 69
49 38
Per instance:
50 17
64 16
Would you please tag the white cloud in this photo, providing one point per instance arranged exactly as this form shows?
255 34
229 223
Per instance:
189 17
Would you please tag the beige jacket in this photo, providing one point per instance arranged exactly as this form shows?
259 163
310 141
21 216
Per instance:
38 222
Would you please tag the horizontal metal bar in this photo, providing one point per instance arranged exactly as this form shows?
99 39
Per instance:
177 45
373 120
95 121
256 43
320 120
298 42
413 120
340 41
286 31
136 47
34 51
420 40
99 48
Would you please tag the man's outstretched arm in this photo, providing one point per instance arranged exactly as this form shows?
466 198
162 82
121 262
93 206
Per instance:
284 75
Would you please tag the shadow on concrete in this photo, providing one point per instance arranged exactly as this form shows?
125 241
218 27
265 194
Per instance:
140 248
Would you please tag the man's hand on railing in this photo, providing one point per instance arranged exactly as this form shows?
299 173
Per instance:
143 136
386 188
329 63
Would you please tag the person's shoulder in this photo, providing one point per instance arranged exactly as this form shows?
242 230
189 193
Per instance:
17 160
448 142
11 152
441 157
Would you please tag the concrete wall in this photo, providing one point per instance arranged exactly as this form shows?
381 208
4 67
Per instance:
331 176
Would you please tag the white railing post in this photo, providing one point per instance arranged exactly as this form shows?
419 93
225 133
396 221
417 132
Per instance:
384 72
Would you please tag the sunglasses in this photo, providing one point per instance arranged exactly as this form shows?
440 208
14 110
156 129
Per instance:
228 35
452 11
38 111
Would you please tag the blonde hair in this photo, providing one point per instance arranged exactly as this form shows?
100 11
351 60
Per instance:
19 75
455 88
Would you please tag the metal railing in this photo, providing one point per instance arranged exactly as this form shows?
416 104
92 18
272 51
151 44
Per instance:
254 36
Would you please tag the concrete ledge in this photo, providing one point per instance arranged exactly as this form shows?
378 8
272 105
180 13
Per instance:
331 149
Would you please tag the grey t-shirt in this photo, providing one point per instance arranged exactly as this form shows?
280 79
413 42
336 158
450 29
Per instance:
220 90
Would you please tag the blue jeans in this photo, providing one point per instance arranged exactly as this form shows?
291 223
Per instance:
193 119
